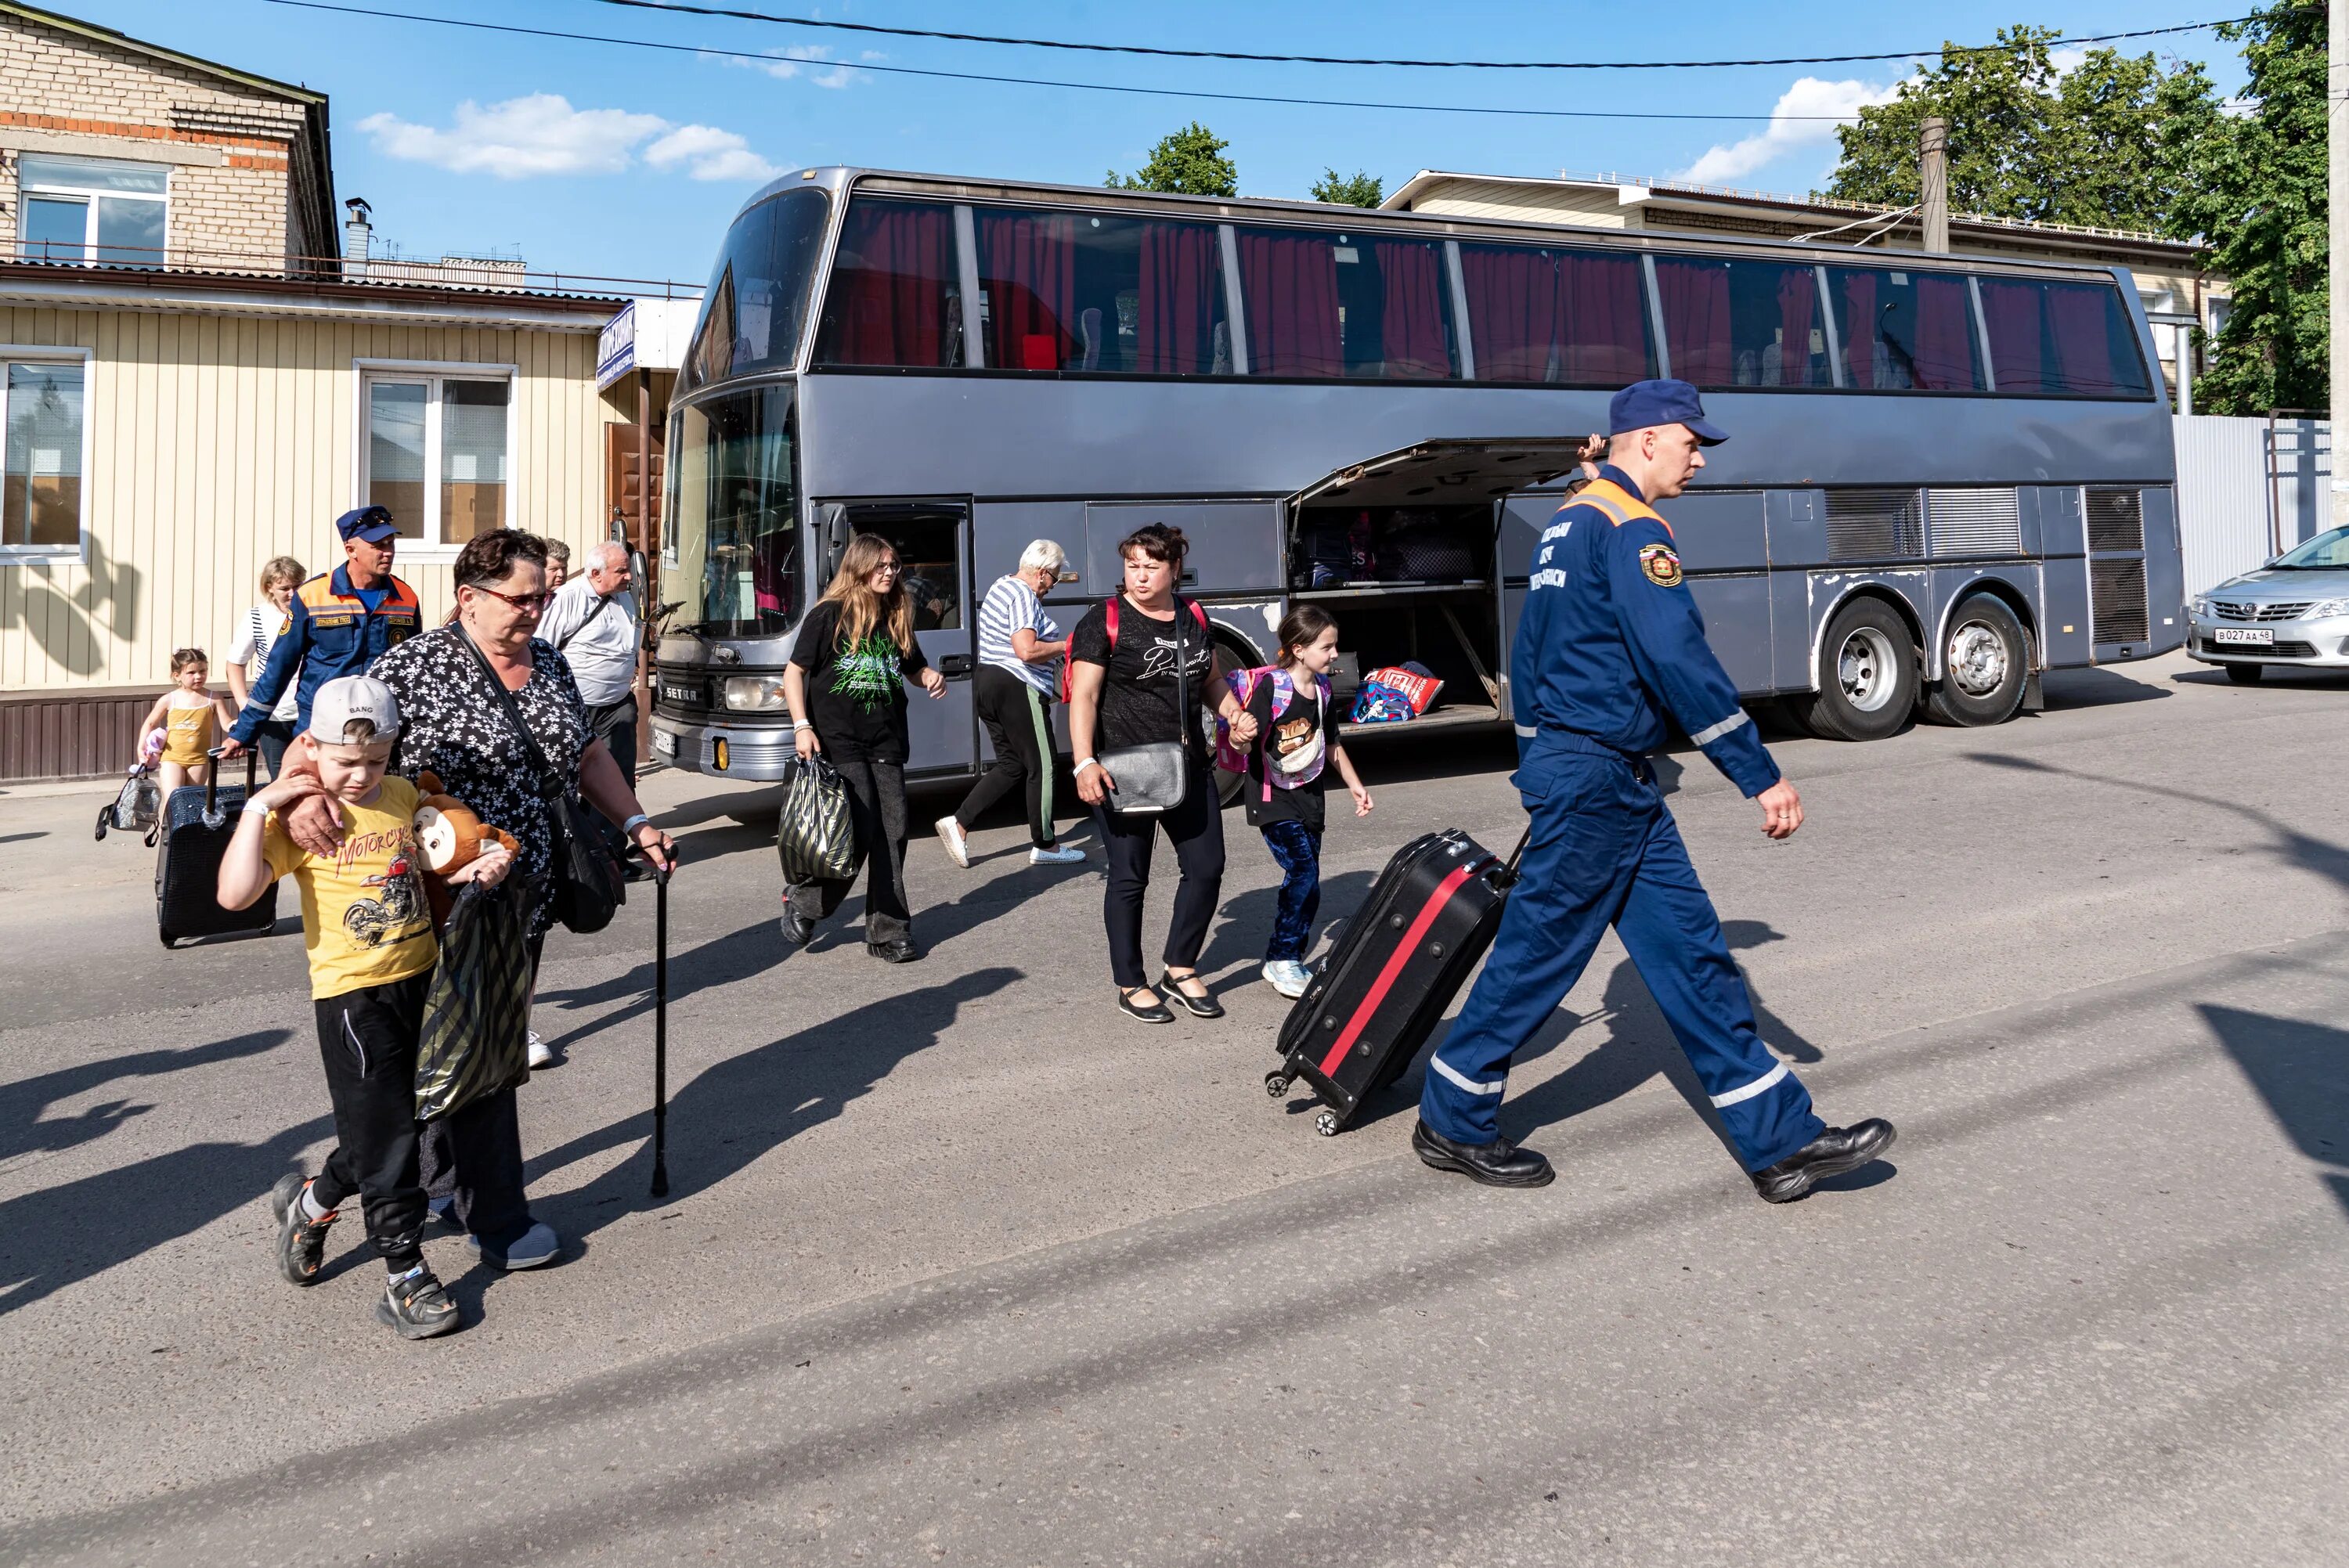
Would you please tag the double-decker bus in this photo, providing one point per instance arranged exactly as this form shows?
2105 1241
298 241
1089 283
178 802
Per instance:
1948 474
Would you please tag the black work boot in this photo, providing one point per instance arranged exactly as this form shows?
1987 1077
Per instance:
1499 1163
1831 1153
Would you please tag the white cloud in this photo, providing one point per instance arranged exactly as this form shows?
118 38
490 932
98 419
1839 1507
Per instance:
811 61
542 134
709 153
2067 58
1791 129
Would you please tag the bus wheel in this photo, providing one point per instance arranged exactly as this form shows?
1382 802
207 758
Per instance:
2244 675
1984 665
1867 675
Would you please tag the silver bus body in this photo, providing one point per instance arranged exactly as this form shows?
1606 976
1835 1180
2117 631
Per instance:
1827 492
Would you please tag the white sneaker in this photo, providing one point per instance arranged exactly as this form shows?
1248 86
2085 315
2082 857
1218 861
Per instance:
1064 855
539 1055
956 842
1287 977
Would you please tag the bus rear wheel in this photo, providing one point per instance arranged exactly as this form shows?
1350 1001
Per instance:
1985 662
1867 675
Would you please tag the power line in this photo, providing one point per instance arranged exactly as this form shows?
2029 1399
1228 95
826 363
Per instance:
871 28
766 59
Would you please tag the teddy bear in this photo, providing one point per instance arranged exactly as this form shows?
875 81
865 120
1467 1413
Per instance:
449 836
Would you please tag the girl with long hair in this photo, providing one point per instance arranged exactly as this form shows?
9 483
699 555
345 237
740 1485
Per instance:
845 687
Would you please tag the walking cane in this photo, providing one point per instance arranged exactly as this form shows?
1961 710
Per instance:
660 1030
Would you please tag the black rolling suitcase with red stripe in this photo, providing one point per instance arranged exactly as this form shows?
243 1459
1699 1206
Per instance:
1404 956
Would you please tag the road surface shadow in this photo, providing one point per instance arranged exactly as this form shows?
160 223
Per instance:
1244 924
739 1108
2301 1070
2068 689
24 1132
2299 679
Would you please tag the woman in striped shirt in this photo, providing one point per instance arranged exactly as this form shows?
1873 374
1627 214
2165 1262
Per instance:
1020 652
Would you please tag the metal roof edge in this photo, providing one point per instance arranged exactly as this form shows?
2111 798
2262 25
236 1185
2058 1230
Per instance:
218 294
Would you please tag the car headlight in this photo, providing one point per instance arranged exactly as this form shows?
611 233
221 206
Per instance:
2200 609
755 694
2326 609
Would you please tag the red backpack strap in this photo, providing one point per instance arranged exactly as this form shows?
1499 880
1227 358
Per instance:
1109 615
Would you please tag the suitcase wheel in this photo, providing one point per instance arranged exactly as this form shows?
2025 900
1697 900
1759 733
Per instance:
1276 1083
1326 1124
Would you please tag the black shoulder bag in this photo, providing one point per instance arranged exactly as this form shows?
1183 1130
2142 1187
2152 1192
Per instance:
583 884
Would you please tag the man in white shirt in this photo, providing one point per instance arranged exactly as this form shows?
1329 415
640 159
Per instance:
592 622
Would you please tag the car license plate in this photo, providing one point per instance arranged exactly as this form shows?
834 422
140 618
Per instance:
2248 636
685 694
665 743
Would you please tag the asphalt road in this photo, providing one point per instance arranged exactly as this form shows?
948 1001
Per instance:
960 1266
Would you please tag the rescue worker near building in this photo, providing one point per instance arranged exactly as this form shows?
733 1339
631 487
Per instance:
1611 644
337 624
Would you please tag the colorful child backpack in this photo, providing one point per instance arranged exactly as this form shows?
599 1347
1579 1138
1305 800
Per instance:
1243 684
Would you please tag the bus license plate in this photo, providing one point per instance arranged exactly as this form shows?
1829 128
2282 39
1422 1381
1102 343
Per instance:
2250 636
665 743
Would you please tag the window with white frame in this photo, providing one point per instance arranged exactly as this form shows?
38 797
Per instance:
435 451
42 500
91 210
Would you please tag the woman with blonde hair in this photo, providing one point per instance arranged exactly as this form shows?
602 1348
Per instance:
845 687
256 634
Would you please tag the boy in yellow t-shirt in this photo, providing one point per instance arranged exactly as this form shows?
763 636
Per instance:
369 935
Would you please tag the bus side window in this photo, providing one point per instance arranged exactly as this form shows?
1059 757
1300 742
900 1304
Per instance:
1903 329
1100 293
896 295
1575 318
1741 323
1343 304
2062 337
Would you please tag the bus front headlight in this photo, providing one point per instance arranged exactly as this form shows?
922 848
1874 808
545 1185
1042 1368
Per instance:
754 694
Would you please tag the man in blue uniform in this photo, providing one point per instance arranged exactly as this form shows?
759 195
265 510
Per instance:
1609 644
337 624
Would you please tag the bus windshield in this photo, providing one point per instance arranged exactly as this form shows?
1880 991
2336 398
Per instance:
758 295
733 562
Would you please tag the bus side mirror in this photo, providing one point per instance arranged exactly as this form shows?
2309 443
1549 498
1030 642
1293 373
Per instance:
833 518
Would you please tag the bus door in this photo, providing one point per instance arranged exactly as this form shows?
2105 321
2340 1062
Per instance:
933 543
1422 555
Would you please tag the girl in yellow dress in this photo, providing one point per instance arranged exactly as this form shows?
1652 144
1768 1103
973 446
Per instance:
193 720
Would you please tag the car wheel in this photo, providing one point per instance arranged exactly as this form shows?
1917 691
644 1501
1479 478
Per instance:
1986 662
2244 675
1867 675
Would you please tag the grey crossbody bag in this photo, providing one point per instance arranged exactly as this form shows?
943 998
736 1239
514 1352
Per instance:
1152 778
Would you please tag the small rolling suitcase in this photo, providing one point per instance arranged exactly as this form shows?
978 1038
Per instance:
1400 959
198 822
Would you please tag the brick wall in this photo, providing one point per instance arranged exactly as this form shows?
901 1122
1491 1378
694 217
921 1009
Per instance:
240 167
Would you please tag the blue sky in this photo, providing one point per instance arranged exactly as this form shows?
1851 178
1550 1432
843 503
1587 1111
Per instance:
627 163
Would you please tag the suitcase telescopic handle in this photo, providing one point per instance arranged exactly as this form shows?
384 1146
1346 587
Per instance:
1507 878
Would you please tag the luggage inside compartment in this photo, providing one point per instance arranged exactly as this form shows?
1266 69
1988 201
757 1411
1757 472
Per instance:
1373 546
1455 636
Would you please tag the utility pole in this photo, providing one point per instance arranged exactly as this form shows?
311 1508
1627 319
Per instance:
2336 140
1933 179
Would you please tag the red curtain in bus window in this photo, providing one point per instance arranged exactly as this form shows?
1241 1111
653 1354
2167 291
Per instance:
893 280
1696 321
1512 306
1945 335
1603 322
1860 326
1290 283
2011 314
1411 330
1176 312
1798 300
1028 265
2080 327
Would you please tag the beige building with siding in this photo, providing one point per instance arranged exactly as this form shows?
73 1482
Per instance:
173 421
2171 277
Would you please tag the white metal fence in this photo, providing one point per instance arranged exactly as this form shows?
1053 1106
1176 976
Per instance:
2248 488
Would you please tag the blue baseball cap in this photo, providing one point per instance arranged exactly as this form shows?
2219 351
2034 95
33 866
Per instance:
1646 403
372 524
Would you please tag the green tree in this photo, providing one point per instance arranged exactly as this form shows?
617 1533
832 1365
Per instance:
1359 188
1189 162
2254 194
2087 146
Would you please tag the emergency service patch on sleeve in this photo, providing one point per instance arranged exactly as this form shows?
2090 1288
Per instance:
1661 565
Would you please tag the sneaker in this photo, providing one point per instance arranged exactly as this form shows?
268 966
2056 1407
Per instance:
414 1307
301 1244
956 842
541 1054
1059 855
535 1248
1287 976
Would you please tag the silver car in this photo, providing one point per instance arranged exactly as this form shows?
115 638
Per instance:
2292 610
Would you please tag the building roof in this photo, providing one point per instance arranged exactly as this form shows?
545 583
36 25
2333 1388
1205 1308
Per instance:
1816 214
320 294
312 102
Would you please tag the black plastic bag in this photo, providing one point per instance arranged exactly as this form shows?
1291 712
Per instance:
817 838
477 1012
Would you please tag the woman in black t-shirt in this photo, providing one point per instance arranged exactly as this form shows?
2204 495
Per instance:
1122 692
846 688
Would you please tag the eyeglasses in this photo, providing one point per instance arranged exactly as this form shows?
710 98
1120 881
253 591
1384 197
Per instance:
528 603
890 567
